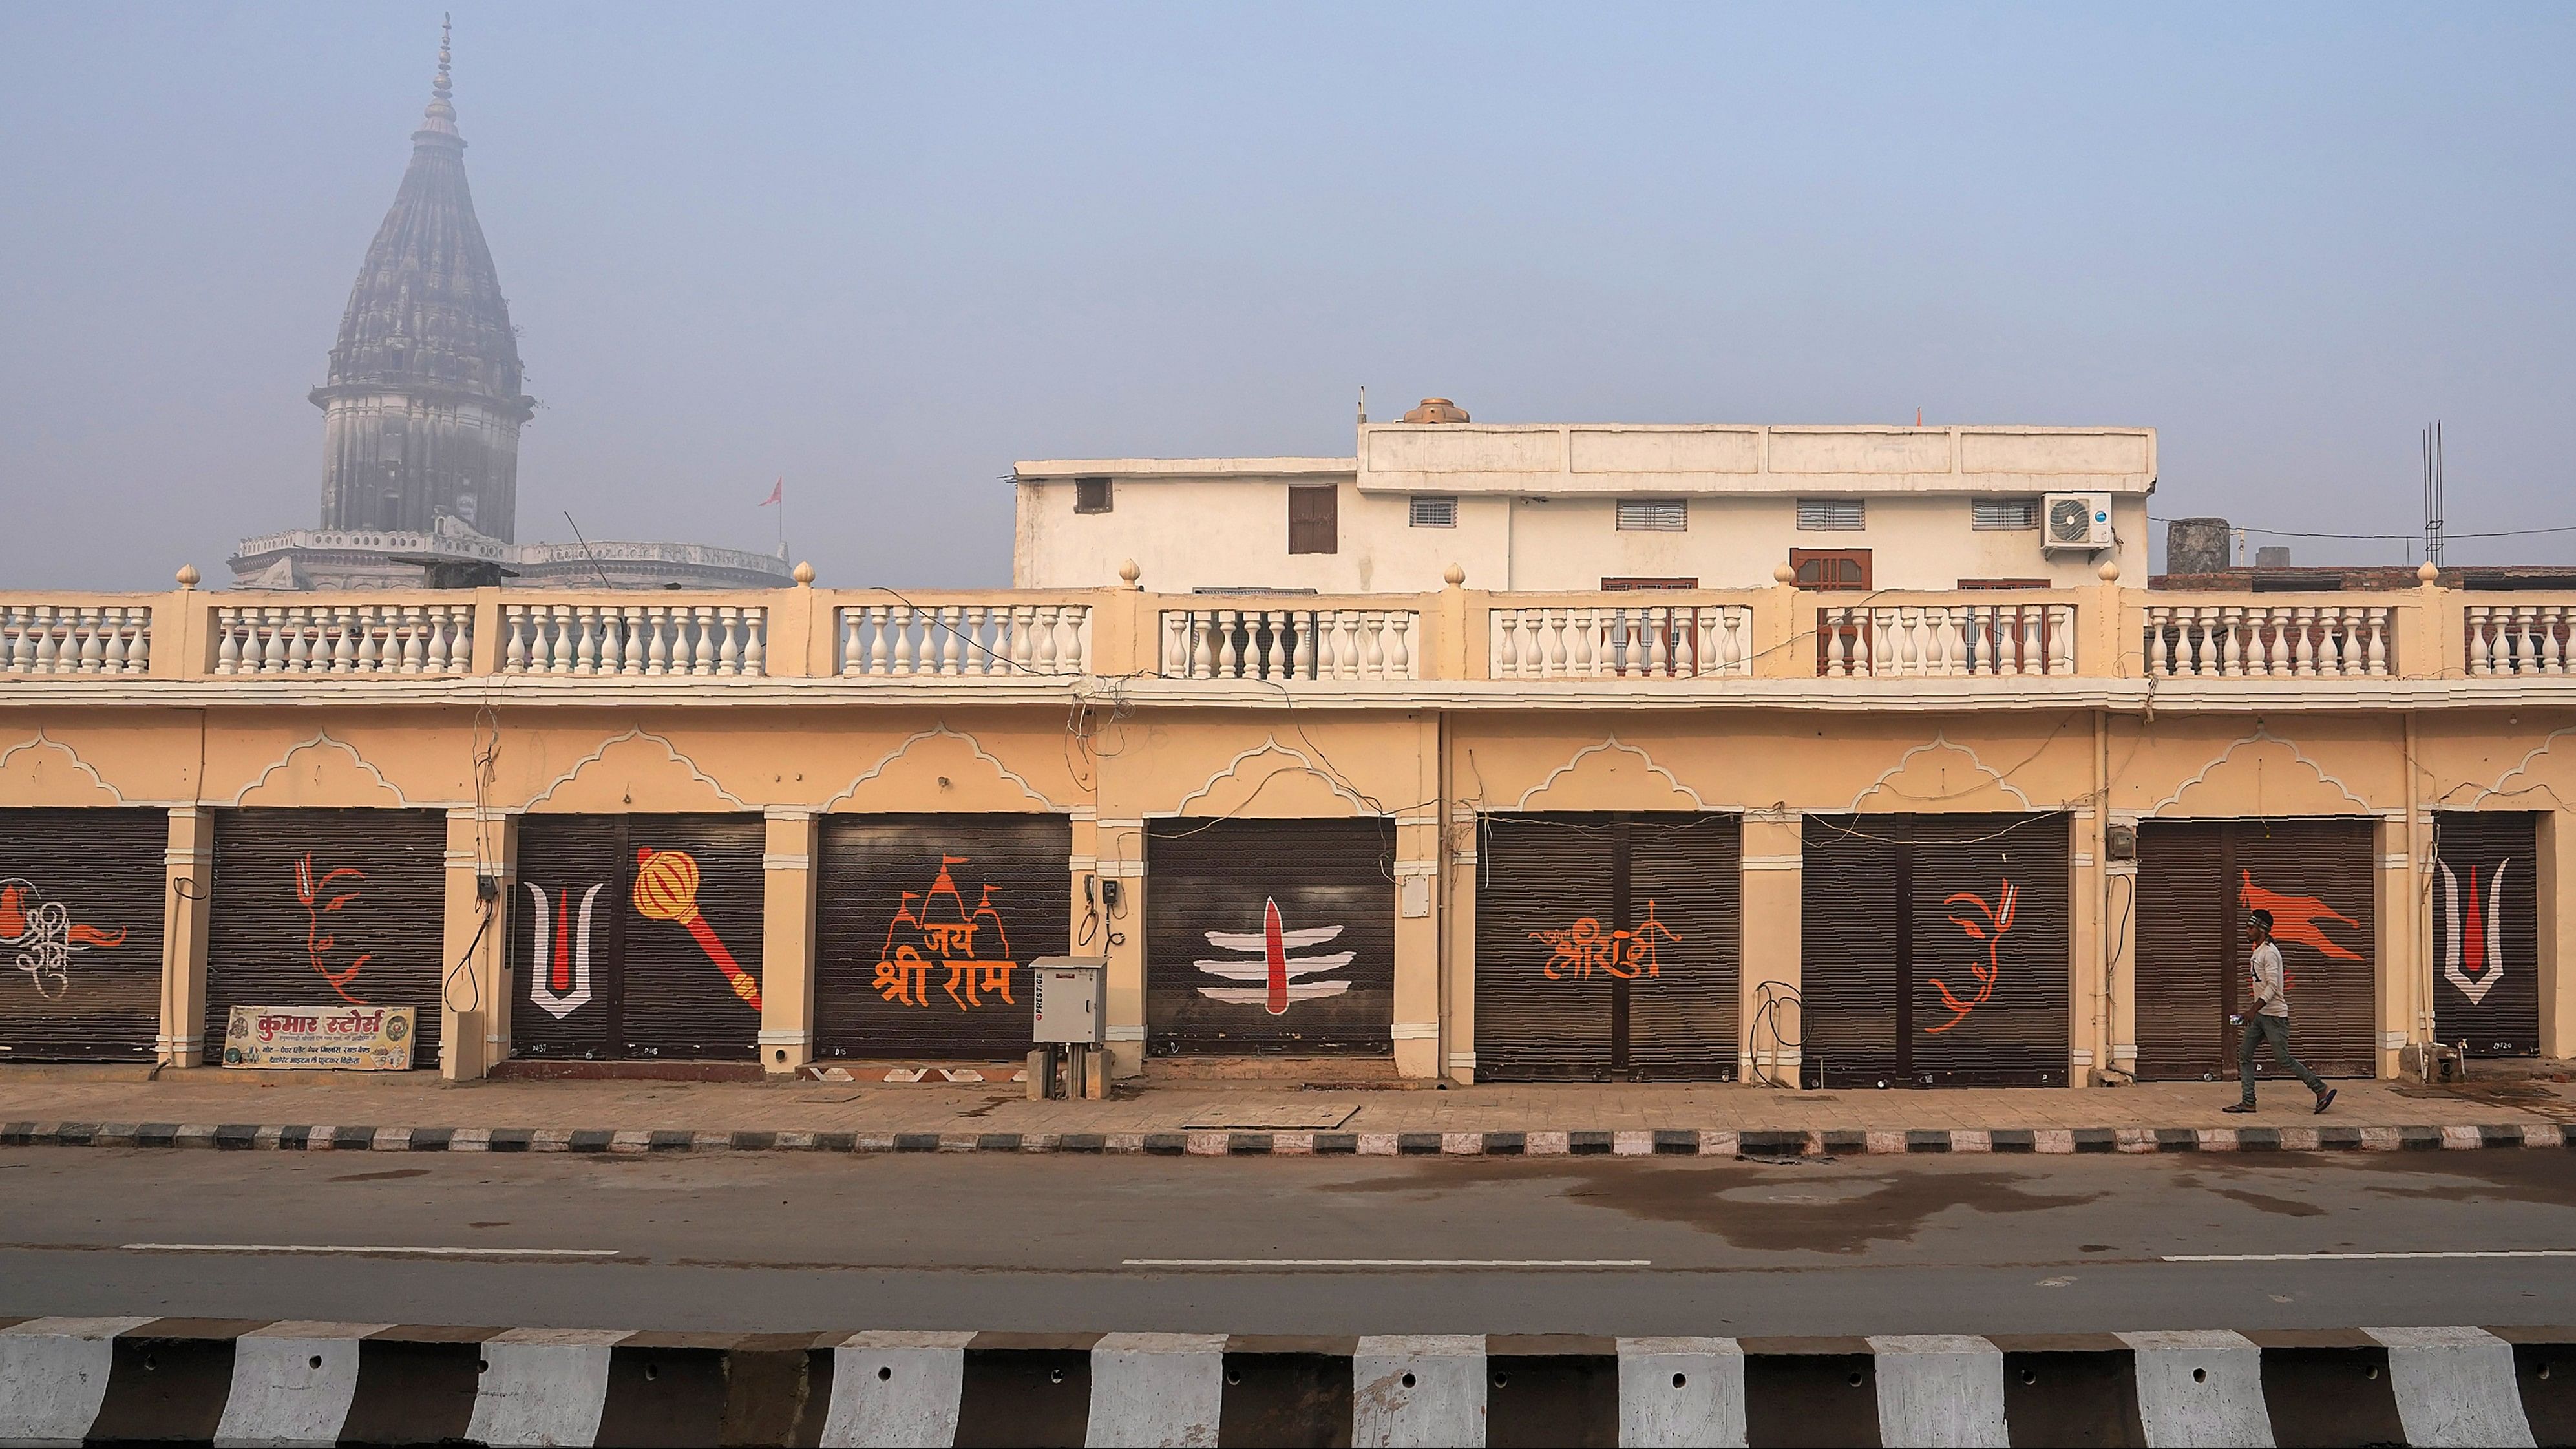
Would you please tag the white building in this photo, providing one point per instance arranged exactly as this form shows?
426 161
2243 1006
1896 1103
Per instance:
1582 506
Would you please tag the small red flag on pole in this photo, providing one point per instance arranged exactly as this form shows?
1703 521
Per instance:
777 493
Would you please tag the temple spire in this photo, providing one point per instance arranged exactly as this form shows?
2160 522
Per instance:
440 115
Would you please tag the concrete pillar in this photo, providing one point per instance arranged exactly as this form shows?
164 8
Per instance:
188 862
1121 865
2557 965
1416 1028
2086 1028
787 938
1458 900
1774 908
473 994
2120 943
2403 987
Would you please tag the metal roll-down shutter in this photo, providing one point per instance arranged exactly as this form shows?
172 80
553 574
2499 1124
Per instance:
924 929
638 937
1935 950
1992 958
2183 951
325 907
1607 945
2196 880
1220 980
81 905
1685 899
1544 914
2486 931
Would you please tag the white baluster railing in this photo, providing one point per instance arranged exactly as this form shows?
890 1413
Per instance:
75 639
1290 644
2519 638
345 638
570 640
2266 641
1640 641
1945 641
965 640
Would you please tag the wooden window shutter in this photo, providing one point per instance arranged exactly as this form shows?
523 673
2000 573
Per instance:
1314 519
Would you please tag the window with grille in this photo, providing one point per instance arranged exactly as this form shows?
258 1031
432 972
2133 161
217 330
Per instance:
1315 520
1655 515
2003 513
1830 568
1091 495
1435 512
1818 515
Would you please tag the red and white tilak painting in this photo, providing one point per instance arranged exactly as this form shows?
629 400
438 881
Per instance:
2473 953
560 985
1282 977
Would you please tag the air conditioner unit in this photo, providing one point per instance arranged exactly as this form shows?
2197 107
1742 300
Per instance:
2075 521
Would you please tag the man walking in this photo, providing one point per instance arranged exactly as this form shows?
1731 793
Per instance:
2270 1017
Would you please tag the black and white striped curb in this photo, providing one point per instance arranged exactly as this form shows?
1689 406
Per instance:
108 1380
1660 1143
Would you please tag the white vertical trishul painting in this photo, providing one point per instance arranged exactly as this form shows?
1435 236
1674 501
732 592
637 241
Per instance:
1266 960
2472 949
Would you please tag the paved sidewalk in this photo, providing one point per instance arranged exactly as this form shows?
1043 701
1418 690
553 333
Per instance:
416 1110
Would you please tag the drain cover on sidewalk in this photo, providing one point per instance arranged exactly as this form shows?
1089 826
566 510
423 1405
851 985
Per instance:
1283 1117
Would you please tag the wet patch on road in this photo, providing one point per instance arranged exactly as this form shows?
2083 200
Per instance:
1843 1210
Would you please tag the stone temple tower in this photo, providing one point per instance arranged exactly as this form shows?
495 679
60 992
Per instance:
421 419
422 412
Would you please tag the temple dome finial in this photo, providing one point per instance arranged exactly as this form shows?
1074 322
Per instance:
439 117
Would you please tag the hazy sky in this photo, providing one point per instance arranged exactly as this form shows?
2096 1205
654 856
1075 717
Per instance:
885 251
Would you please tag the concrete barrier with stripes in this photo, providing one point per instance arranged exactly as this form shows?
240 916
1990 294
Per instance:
110 1380
1641 1142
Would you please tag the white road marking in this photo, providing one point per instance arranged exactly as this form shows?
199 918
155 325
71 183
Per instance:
2352 1257
354 1248
1388 1262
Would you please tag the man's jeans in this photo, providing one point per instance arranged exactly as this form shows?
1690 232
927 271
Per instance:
2276 1028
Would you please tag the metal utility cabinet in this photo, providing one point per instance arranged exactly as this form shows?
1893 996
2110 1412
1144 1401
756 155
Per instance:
1070 1028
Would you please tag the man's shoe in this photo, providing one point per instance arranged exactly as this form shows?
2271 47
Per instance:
2325 1099
2247 1107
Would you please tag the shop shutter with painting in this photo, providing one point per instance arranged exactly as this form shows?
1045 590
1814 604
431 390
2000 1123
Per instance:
2486 931
81 903
1607 946
1216 985
638 937
1935 950
925 926
327 908
2196 879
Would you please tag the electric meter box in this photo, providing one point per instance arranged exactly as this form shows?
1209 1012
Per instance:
1072 999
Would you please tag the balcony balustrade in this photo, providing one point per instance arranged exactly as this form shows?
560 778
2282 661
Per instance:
75 639
633 639
2257 641
906 640
1004 641
1945 641
1284 644
1685 641
345 638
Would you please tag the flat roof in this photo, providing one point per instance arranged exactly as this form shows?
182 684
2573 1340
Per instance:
1048 468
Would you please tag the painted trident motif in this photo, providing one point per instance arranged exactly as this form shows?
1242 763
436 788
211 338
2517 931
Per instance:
1998 920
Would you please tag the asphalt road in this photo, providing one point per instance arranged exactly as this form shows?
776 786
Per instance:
778 1242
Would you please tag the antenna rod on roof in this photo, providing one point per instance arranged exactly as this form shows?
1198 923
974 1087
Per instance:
586 553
